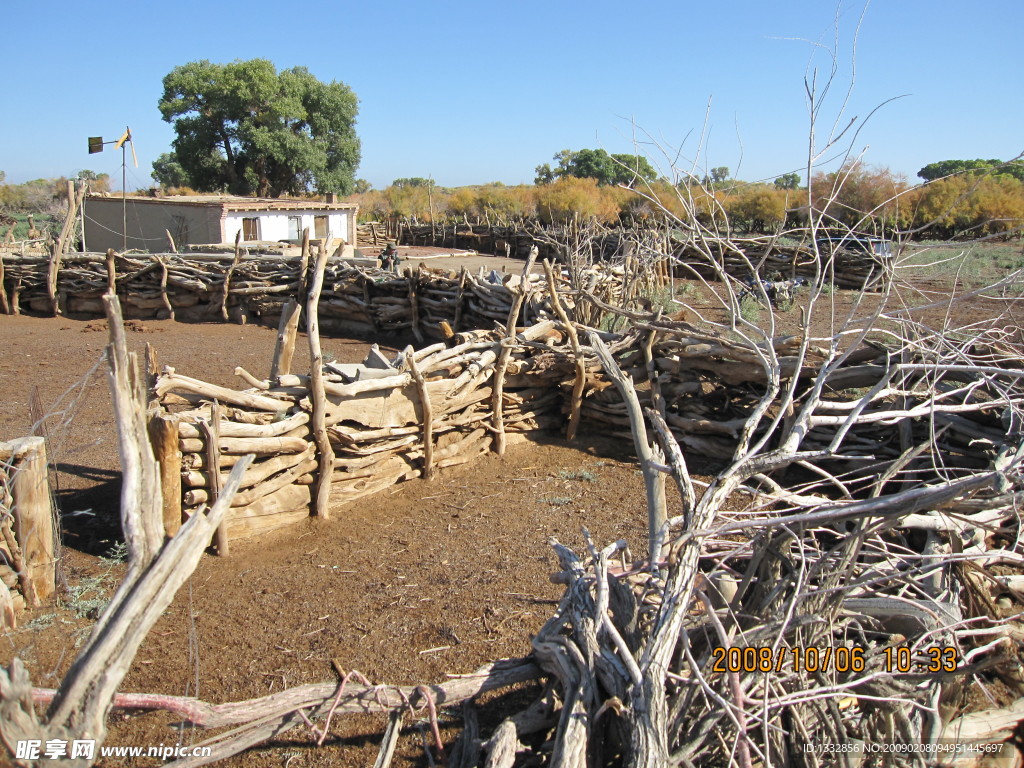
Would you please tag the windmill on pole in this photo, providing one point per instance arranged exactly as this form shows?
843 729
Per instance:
96 144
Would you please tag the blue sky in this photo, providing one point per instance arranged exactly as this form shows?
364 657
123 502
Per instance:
474 92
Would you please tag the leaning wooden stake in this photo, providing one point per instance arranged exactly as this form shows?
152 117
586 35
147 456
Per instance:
321 497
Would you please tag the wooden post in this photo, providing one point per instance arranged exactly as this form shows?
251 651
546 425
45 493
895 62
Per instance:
498 385
303 268
365 283
16 296
51 278
227 277
457 322
321 496
174 248
163 435
152 374
657 400
581 371
284 349
163 288
211 432
33 516
111 272
427 410
5 307
60 245
413 276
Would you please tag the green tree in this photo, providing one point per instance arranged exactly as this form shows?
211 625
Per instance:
943 168
592 164
719 174
249 129
788 181
414 181
617 169
631 169
544 174
168 172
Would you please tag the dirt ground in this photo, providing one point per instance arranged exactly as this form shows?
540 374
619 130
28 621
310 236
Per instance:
421 581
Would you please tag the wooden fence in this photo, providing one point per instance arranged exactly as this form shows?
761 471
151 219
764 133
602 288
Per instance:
216 287
449 402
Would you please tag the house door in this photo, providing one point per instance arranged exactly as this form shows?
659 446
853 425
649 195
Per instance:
320 227
251 229
294 227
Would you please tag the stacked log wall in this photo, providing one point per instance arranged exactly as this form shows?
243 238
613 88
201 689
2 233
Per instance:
764 256
211 287
432 410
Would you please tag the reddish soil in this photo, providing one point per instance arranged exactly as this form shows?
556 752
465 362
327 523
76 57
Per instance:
423 580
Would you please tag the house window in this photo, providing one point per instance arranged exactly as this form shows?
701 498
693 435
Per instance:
320 226
294 227
251 229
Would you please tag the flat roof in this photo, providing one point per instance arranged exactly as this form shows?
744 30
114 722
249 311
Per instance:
232 202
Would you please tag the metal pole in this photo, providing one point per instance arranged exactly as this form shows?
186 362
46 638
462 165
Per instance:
82 220
124 198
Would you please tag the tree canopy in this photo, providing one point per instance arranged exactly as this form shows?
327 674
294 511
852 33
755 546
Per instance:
788 181
618 169
246 128
944 168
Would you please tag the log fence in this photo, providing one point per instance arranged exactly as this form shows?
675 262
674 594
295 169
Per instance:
259 289
741 258
450 402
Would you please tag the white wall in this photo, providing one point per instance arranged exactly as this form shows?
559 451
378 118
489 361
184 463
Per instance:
274 224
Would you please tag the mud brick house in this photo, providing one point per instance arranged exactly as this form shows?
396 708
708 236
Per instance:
208 219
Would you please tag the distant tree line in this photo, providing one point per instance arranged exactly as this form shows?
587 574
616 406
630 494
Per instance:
962 198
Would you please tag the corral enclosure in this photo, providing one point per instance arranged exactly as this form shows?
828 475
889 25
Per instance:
707 384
